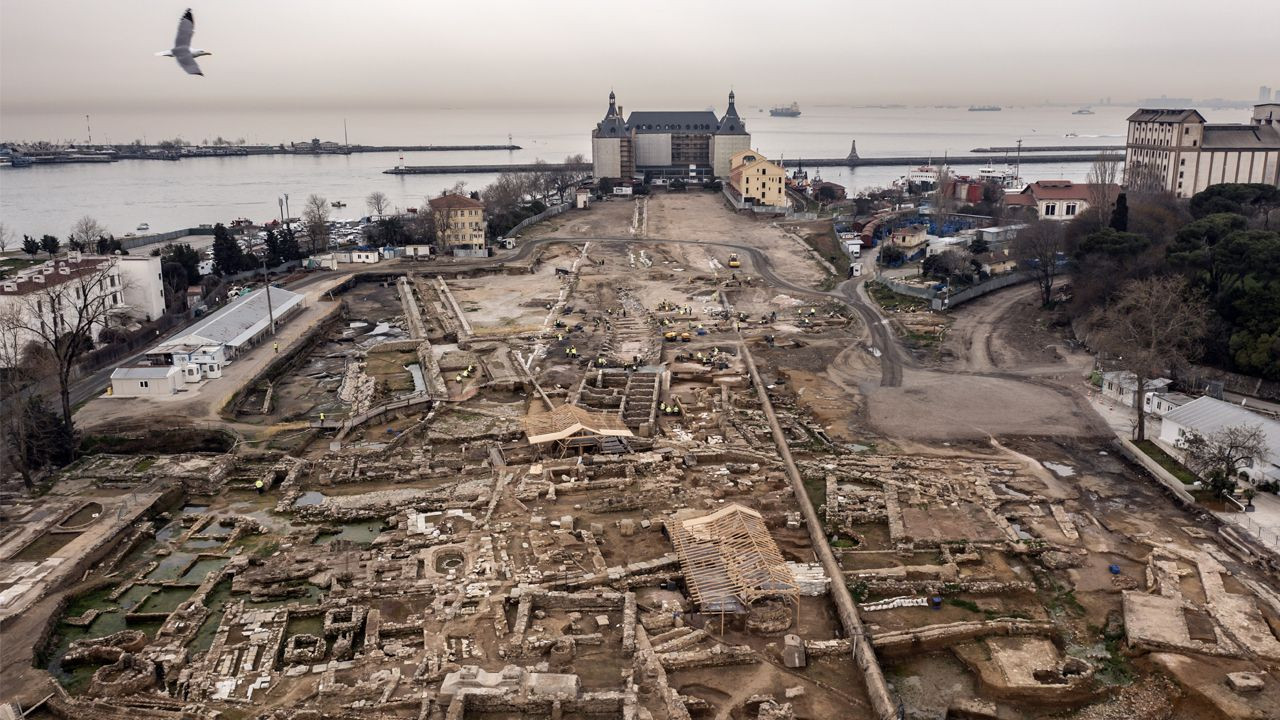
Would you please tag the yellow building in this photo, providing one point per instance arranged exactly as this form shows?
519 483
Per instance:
461 225
756 180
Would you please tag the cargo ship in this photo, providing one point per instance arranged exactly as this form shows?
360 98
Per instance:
985 108
792 110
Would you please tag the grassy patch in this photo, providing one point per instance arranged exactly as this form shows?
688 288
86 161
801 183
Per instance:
895 302
844 543
144 464
1166 461
826 245
14 264
816 489
1115 668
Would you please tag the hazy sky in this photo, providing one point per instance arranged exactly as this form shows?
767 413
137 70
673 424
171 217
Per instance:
85 56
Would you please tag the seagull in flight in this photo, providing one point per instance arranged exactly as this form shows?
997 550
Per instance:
182 50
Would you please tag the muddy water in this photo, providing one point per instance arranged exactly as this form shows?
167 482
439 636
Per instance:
202 568
45 546
216 601
165 600
362 533
171 567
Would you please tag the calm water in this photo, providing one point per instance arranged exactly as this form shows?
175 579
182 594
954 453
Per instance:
170 195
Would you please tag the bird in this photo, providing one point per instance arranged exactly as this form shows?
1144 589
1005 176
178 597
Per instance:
182 50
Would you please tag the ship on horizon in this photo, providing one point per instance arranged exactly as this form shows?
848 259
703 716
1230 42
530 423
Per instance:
792 110
985 108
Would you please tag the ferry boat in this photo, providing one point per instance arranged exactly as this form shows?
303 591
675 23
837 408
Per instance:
1083 111
338 204
985 108
924 177
20 161
143 227
792 110
1007 176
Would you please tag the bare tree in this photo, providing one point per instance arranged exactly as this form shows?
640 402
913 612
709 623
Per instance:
1040 247
1151 325
1219 457
378 203
1104 185
6 235
315 218
62 319
86 231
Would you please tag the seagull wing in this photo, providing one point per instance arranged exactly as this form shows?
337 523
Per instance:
186 28
188 63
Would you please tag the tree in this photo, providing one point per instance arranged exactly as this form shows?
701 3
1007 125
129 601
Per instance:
1151 325
36 438
62 319
378 203
315 218
109 246
174 277
947 264
86 232
979 245
1041 247
228 257
6 236
50 244
1199 247
892 255
1219 457
185 256
1251 200
289 248
1103 179
1120 215
30 245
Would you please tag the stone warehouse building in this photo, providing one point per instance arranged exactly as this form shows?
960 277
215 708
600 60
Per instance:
667 145
1176 151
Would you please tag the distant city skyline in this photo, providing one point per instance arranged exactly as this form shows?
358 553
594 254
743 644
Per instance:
98 56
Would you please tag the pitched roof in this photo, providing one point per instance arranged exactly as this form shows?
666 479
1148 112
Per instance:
52 273
1168 115
454 202
242 318
144 372
1240 137
1208 415
672 121
568 420
1061 190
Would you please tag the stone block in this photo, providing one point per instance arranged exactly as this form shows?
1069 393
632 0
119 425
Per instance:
627 527
793 653
1246 682
566 523
794 692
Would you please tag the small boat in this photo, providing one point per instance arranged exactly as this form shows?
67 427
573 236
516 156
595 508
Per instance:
20 161
1083 111
338 204
792 110
985 108
143 227
1072 135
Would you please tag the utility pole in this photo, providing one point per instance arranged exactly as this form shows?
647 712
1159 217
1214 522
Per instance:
271 313
88 128
280 201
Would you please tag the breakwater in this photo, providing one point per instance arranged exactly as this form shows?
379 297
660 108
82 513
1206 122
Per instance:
850 162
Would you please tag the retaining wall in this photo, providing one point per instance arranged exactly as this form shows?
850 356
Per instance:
548 213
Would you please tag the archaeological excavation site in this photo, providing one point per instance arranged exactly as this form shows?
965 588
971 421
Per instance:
607 475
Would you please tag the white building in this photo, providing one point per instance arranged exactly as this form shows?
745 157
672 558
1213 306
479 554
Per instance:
145 381
50 298
1178 152
1060 199
1122 385
1205 416
1163 403
366 255
417 251
143 284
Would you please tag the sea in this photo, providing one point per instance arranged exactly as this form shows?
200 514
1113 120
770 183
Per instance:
194 191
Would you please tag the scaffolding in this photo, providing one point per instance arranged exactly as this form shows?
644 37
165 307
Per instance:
730 560
569 428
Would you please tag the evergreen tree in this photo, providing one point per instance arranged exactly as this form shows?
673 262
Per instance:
30 245
50 244
289 248
1120 215
228 258
275 256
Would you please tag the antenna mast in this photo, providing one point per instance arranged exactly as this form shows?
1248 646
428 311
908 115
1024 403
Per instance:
88 128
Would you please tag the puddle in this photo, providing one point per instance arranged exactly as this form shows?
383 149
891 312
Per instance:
171 567
134 596
76 678
165 600
168 532
202 568
1059 469
218 529
419 381
216 601
194 509
82 516
310 497
45 546
361 533
201 544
